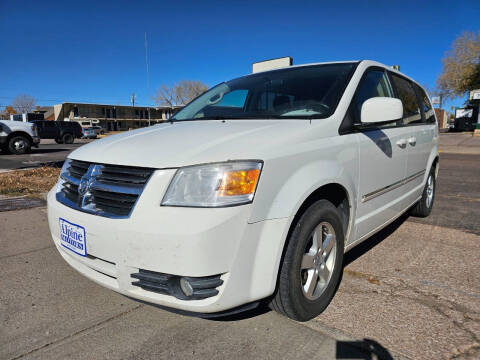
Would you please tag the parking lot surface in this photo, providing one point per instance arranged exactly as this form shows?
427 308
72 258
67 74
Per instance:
412 291
48 152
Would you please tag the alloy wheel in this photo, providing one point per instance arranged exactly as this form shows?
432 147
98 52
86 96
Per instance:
19 144
430 188
318 261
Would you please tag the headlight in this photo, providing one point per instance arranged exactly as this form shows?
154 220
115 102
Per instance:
214 185
61 181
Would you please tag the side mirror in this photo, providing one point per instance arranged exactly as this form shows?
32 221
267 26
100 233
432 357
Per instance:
381 110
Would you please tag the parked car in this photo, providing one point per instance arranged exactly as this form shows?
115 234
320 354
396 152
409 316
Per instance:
254 190
86 122
89 133
62 131
18 137
99 130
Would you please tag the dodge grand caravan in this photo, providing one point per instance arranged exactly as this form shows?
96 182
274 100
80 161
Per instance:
255 190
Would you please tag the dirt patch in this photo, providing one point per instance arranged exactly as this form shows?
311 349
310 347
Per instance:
28 182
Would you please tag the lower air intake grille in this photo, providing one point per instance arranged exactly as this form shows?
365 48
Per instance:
202 287
101 189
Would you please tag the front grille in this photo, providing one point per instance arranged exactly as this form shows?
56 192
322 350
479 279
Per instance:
105 190
203 287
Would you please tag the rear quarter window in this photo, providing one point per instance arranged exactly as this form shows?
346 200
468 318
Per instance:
428 111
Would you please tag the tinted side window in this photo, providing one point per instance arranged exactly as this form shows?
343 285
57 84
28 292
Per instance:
373 84
426 105
406 93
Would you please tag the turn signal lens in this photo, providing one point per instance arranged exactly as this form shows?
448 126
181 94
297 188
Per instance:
241 182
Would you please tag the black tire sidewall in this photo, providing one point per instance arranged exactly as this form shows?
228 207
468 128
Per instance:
25 150
421 209
428 209
432 174
306 309
68 138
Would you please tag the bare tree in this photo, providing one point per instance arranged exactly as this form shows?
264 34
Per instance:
23 103
461 66
180 93
431 91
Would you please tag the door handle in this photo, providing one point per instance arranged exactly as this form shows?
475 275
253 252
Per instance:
412 141
402 143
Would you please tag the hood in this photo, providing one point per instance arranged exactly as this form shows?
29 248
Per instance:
171 145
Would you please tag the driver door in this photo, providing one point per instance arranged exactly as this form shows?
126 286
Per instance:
382 159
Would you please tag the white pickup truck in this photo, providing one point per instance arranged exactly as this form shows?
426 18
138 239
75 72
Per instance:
18 137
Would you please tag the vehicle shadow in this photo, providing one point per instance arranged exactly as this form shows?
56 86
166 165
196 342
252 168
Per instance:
363 349
381 140
373 241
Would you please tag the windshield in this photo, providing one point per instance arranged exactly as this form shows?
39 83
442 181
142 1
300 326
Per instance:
303 92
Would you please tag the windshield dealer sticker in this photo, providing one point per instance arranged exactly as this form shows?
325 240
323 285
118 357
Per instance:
73 237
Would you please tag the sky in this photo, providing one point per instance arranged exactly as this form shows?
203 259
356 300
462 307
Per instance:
94 51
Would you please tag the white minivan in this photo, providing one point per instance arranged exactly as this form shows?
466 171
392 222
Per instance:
253 191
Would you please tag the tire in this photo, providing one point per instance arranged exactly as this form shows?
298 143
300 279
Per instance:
19 145
58 141
424 206
293 296
68 138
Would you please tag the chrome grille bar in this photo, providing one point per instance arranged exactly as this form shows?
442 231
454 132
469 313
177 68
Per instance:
102 189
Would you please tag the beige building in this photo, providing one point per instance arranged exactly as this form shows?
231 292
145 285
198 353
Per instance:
113 117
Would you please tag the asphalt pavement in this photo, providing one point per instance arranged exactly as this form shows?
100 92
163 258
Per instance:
411 291
49 152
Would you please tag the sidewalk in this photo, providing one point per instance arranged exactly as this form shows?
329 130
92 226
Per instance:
49 311
459 143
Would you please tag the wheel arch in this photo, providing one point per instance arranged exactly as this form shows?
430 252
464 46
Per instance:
435 165
334 192
63 133
19 133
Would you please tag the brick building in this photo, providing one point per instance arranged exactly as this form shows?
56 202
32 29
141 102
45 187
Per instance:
442 118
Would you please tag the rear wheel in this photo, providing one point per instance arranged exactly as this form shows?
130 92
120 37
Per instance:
312 264
19 145
424 207
68 138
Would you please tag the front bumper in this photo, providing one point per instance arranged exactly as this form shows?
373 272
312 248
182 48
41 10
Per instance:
194 242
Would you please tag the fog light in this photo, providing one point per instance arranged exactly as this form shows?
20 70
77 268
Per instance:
186 287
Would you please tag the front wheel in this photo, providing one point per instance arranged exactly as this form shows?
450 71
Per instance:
424 207
310 271
19 145
68 138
